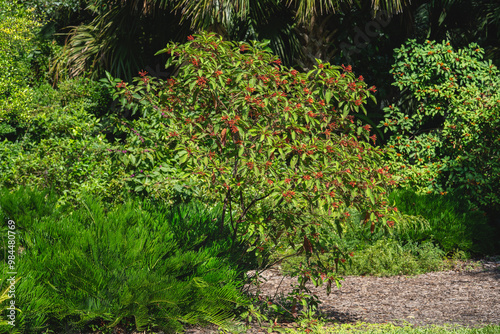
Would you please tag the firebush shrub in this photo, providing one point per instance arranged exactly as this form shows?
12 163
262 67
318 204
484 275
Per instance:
282 150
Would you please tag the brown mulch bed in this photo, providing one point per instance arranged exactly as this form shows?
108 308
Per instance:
468 296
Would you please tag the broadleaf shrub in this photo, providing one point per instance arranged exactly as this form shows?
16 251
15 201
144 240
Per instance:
280 149
446 126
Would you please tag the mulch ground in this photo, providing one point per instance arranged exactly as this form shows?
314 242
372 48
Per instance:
467 296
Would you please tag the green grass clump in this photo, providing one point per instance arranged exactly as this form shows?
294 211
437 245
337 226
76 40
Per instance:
136 266
387 257
452 224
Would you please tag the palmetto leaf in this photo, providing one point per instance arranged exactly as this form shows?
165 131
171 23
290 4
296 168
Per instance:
117 39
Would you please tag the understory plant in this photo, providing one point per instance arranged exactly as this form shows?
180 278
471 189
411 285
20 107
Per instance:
449 222
432 232
280 150
137 266
445 128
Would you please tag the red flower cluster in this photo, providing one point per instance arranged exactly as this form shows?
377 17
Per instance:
347 68
201 81
194 61
232 122
311 114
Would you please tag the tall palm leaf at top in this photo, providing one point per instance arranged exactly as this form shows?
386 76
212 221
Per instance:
300 30
203 11
462 22
124 34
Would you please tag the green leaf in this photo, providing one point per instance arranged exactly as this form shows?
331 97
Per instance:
345 111
183 158
370 195
328 96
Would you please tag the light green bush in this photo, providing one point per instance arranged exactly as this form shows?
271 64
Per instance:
17 34
61 144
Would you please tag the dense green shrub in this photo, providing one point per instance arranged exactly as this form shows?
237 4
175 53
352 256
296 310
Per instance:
446 126
64 138
61 143
136 265
17 34
70 141
51 113
50 137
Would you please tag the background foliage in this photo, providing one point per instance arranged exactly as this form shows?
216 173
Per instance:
17 32
445 128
